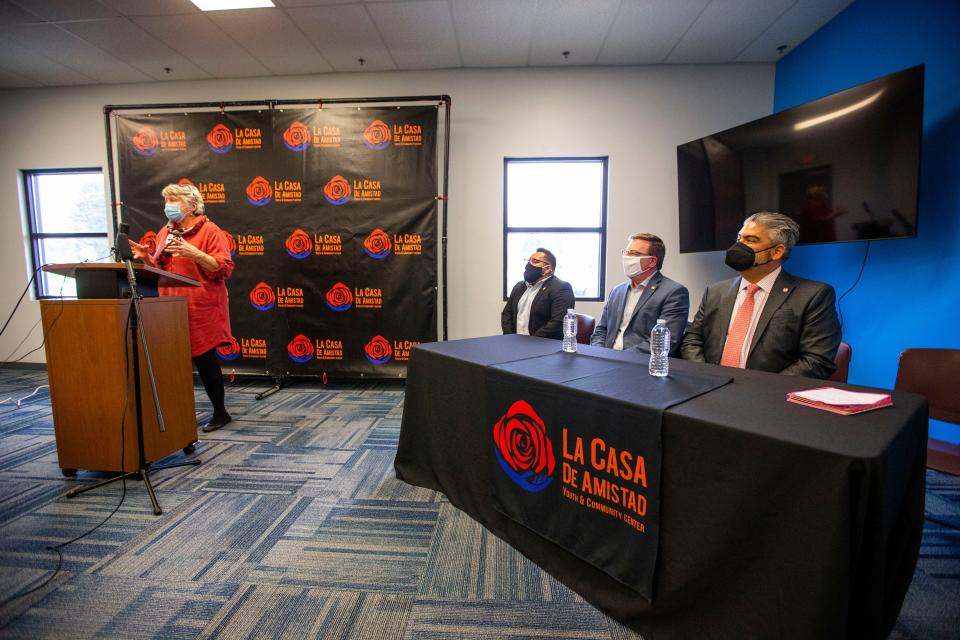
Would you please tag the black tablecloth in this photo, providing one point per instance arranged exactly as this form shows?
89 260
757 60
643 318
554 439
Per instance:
777 520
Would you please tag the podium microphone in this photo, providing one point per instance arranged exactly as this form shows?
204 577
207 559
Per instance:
121 244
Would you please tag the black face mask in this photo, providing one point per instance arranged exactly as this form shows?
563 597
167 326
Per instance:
740 256
532 273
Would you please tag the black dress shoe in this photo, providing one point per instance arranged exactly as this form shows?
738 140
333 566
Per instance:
216 422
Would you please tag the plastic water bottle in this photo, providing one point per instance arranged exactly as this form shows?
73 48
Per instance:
570 332
660 349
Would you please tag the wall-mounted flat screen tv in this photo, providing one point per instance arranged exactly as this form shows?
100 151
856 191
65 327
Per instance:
846 167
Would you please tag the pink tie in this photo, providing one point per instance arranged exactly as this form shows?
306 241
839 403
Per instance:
738 331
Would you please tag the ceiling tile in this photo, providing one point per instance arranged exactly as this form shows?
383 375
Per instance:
11 80
496 33
126 41
796 25
645 31
571 25
725 28
52 42
273 39
342 35
204 43
153 7
419 35
33 64
12 14
56 10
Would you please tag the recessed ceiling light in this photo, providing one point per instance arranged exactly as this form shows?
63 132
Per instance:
223 5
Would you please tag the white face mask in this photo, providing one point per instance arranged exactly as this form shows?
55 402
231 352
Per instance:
633 265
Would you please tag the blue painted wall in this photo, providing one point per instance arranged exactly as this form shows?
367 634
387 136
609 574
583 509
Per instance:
909 295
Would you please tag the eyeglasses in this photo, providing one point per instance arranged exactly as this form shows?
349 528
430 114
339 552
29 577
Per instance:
537 262
635 254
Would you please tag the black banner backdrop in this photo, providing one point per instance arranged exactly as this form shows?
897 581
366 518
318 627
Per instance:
331 215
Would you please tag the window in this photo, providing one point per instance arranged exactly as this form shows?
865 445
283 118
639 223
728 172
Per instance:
68 223
559 204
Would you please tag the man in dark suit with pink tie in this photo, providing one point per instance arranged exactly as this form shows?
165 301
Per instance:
765 318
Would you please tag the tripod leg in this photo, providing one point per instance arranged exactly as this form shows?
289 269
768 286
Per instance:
145 473
73 493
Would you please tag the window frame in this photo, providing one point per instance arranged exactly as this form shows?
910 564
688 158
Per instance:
32 217
601 230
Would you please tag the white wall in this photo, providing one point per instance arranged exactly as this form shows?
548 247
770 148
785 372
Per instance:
635 115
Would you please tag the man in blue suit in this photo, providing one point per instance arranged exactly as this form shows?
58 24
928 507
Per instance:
634 306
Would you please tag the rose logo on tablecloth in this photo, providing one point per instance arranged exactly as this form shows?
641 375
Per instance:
523 449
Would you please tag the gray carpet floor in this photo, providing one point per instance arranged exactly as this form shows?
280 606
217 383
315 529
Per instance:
294 526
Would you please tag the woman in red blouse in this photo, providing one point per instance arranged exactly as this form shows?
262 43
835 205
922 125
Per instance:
192 245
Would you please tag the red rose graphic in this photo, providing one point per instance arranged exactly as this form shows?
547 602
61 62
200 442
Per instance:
262 297
377 135
149 240
229 351
230 241
296 137
259 191
523 448
339 297
299 244
145 141
300 348
338 190
378 350
220 139
184 181
377 244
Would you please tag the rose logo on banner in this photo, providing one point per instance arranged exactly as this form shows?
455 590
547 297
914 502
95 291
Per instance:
377 135
259 192
300 349
378 350
230 241
339 297
262 297
229 351
149 240
337 191
299 245
523 449
184 181
145 142
296 137
220 140
378 245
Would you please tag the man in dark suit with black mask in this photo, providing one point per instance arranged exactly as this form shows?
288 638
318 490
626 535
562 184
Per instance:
538 303
765 318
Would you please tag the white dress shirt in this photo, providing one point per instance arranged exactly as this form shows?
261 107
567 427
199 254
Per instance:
633 297
526 301
759 300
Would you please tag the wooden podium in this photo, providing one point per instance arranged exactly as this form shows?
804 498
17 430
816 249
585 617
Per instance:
88 341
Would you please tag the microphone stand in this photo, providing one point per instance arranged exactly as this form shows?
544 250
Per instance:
124 254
